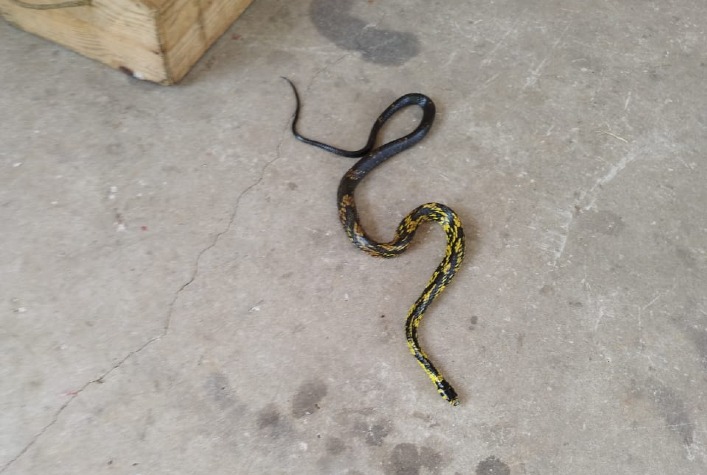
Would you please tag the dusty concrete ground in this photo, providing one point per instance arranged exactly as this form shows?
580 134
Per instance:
178 296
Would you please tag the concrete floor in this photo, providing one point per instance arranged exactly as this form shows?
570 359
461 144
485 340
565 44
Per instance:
178 295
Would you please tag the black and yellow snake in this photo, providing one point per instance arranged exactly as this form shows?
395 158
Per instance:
371 158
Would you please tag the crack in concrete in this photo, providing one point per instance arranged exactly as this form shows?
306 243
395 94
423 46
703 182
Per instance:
170 310
587 201
228 227
591 196
563 235
73 396
324 69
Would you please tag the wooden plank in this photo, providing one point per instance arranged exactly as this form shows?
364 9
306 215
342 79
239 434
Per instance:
156 40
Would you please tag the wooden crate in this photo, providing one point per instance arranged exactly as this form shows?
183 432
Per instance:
156 40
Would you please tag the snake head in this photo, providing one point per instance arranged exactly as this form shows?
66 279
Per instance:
447 392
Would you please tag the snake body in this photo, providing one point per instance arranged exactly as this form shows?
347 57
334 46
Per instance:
370 158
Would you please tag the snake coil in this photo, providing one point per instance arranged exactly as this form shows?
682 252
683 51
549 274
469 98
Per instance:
370 158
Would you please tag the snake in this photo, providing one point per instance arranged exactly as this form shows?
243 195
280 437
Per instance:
369 158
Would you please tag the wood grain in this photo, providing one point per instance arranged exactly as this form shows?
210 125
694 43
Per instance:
155 40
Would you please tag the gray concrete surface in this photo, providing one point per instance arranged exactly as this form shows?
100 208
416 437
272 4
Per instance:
178 296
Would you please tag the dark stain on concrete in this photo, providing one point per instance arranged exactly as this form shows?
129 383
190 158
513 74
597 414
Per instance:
373 434
492 466
271 423
307 399
407 459
673 410
473 321
268 417
219 388
699 337
334 446
431 422
666 402
547 290
686 256
333 19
